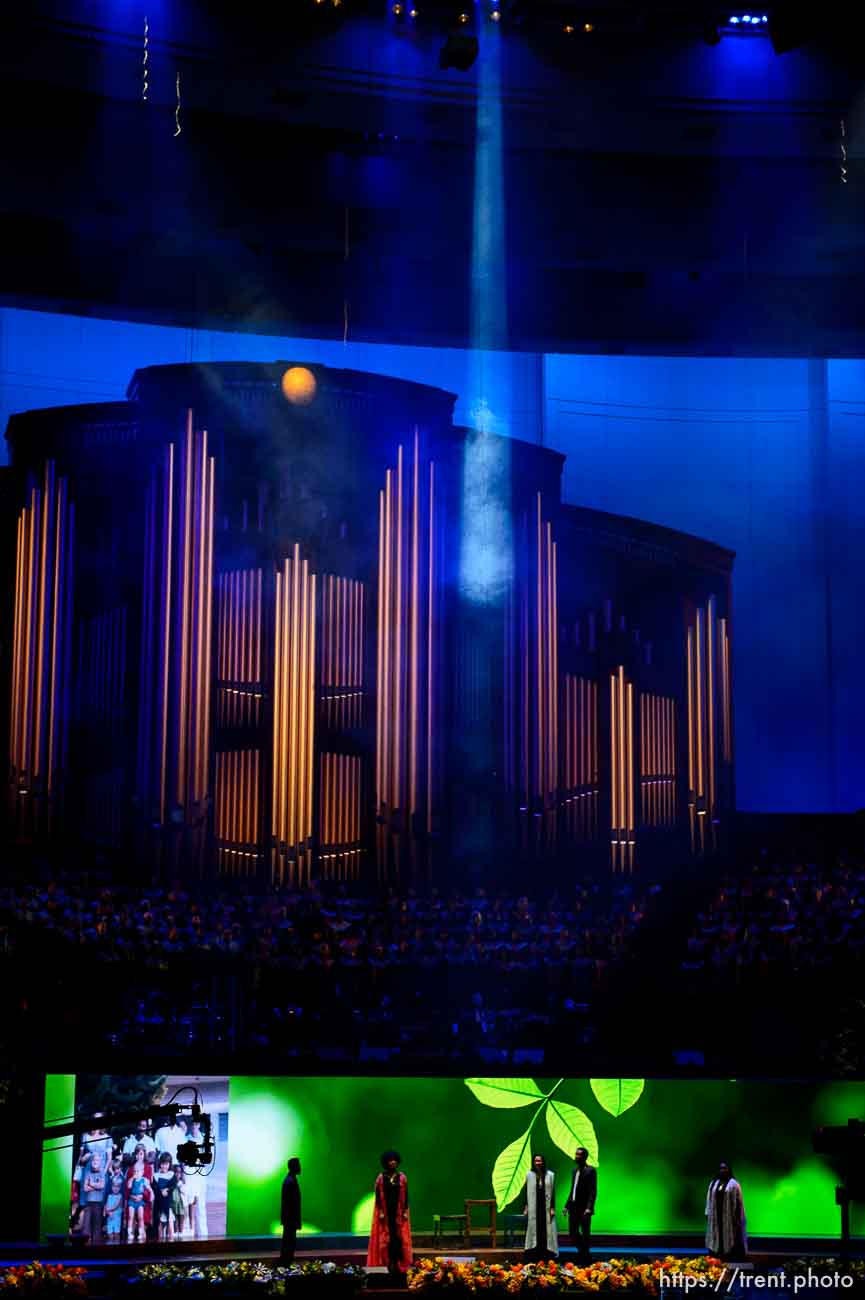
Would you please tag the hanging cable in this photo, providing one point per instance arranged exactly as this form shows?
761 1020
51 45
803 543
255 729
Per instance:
144 70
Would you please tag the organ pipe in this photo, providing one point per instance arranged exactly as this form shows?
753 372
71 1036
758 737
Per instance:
240 690
657 760
622 770
406 658
41 639
709 717
174 715
293 719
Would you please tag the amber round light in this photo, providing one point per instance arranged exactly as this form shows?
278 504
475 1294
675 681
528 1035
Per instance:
299 386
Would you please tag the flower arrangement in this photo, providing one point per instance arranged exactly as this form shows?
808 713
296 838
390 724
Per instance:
38 1278
247 1274
513 1279
823 1265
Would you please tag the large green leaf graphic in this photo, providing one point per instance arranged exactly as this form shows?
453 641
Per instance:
506 1094
570 1127
617 1095
510 1169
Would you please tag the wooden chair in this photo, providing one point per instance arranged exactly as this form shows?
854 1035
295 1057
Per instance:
490 1227
439 1222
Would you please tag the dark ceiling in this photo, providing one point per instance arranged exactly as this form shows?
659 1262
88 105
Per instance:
659 193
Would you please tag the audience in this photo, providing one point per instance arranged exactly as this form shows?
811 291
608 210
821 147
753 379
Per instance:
776 921
353 972
325 973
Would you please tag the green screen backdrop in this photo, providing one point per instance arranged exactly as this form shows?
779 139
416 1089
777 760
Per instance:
656 1144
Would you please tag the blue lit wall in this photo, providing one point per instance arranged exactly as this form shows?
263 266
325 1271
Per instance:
763 456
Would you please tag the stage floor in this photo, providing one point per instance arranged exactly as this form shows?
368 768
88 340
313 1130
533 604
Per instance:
764 1252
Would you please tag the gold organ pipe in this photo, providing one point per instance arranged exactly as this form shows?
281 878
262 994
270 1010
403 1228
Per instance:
540 657
429 657
552 740
208 623
277 711
183 596
629 774
348 678
415 630
310 704
256 797
258 592
692 784
361 623
280 716
343 799
387 678
192 720
710 699
379 658
569 729
396 787
16 652
27 662
301 704
547 691
293 657
698 677
623 806
614 753
167 583
220 590
40 621
555 648
61 577
203 489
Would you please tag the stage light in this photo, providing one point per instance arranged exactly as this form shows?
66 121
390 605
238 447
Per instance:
588 27
463 19
495 16
397 11
568 29
299 386
412 13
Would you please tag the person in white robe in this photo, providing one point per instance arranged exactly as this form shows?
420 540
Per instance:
542 1241
725 1216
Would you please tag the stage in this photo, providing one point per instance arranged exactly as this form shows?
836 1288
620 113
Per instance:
350 1248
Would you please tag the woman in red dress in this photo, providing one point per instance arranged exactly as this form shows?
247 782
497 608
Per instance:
390 1236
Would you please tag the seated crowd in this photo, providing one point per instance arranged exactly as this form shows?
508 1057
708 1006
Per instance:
324 973
779 920
368 970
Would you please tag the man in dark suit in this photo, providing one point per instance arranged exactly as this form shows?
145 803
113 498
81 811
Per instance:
580 1205
290 1216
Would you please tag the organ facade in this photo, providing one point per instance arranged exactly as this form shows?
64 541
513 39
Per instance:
244 639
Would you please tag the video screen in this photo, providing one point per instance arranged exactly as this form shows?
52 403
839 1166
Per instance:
656 1145
132 1175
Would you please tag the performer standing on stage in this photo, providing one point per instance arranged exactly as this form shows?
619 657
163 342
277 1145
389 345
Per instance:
390 1235
580 1205
290 1212
725 1216
542 1239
